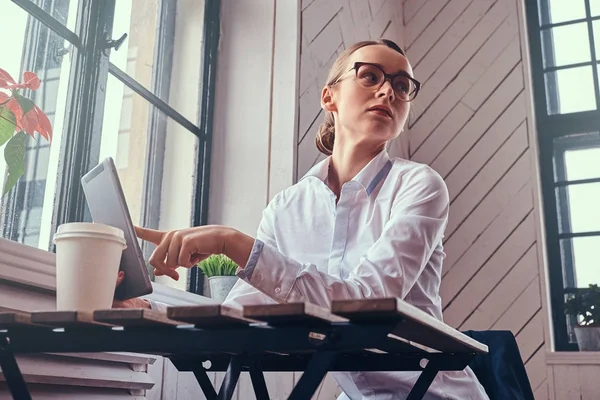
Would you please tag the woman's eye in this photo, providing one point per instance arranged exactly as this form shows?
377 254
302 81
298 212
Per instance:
369 77
402 86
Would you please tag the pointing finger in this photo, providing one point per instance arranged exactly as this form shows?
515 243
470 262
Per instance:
149 235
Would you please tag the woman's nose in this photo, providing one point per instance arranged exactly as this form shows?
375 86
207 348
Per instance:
386 90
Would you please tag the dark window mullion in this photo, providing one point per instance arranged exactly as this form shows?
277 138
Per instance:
576 182
568 66
572 235
559 125
564 219
80 147
154 100
571 22
210 47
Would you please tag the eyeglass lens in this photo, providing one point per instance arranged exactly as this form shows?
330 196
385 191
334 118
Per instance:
370 76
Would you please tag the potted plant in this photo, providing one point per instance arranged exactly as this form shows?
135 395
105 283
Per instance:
19 117
221 273
585 305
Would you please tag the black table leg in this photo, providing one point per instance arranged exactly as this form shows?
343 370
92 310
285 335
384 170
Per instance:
427 376
313 375
10 370
205 383
231 378
258 381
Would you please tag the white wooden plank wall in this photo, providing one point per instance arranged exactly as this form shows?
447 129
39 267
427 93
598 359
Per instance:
469 123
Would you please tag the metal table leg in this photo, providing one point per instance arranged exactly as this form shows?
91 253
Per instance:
10 370
425 379
231 378
205 383
311 378
258 381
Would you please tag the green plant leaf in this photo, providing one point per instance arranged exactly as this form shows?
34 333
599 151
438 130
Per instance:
218 265
7 124
26 104
14 154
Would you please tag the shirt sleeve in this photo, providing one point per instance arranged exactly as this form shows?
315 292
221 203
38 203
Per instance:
264 235
390 267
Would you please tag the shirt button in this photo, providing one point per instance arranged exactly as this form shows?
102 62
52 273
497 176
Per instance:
277 290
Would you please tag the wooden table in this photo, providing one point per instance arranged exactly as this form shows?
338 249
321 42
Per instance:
352 335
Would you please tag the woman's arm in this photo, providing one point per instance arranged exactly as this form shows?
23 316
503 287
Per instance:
389 268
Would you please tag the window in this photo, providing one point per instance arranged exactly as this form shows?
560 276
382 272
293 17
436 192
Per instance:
130 79
565 55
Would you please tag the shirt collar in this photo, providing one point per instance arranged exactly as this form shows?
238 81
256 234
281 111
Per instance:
369 177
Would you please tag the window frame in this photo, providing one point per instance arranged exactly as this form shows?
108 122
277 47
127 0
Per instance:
572 128
90 68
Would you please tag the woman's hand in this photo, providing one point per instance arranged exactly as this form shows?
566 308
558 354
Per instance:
130 303
185 247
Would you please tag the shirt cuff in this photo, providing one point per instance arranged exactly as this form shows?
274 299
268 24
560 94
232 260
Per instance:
246 273
154 305
272 273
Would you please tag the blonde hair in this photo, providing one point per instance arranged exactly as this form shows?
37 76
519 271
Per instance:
326 133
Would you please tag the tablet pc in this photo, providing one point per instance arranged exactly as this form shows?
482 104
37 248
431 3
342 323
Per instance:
107 205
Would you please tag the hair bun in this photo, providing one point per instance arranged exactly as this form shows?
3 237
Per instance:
325 138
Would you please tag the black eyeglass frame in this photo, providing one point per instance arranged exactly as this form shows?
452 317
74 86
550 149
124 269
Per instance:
386 77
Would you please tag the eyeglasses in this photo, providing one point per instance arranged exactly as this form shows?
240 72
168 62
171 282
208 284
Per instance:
372 76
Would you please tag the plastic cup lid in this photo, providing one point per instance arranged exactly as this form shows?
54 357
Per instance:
88 227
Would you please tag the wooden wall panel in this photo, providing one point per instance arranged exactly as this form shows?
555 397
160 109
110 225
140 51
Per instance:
470 124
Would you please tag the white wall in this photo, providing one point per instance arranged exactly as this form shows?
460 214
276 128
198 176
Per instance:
252 152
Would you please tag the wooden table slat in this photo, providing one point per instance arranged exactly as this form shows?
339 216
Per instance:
209 316
291 314
66 319
134 317
414 324
17 319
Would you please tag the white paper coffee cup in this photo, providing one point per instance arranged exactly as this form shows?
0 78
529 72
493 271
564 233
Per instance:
88 256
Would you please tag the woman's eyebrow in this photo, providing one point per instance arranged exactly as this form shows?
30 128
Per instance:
398 72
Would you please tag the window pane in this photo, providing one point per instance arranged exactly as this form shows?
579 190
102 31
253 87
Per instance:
595 7
64 11
596 29
582 164
573 88
581 254
150 135
561 10
168 67
27 210
566 45
581 204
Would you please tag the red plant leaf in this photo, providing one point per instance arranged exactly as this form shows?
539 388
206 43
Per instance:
44 127
6 80
29 122
30 81
14 106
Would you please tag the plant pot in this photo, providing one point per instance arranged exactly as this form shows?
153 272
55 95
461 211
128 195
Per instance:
220 286
588 338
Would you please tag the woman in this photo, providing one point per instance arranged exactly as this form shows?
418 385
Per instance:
357 225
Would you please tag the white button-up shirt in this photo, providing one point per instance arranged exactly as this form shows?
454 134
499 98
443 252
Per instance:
382 239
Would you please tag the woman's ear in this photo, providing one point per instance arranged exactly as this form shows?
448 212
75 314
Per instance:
327 102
